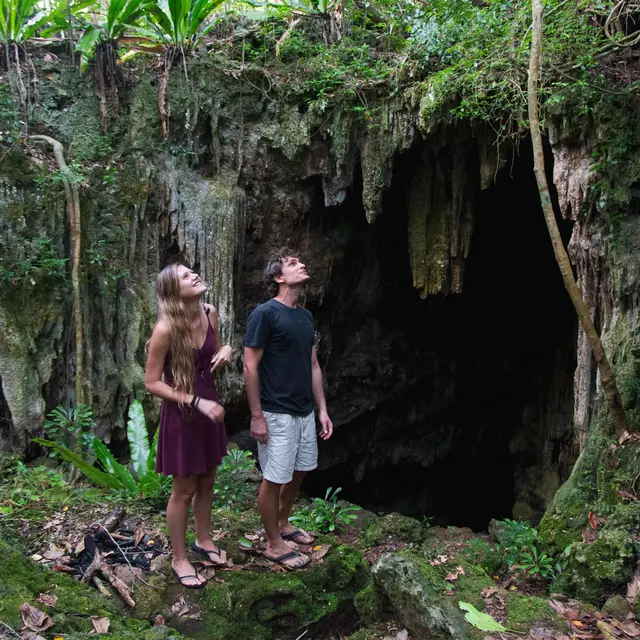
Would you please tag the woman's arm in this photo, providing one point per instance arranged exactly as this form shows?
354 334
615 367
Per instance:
158 350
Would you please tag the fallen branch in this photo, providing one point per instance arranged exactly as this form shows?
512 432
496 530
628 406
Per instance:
99 585
114 519
96 562
117 584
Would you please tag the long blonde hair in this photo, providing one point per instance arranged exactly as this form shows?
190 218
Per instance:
173 312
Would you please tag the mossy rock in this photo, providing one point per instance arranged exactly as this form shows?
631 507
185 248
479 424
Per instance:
417 593
600 567
21 580
524 611
617 607
394 527
372 604
266 605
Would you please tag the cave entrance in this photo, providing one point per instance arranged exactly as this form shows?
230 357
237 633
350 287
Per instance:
455 407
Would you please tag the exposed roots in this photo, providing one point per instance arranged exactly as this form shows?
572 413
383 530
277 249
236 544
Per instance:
163 81
106 72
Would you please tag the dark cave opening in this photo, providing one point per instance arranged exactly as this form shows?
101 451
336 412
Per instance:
455 407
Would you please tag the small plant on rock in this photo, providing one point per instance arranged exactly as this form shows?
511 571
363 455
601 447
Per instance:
325 514
231 488
537 563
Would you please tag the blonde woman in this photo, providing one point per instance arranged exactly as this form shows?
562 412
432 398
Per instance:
184 349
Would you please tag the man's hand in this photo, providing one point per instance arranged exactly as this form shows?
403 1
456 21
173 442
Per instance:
259 429
326 425
221 358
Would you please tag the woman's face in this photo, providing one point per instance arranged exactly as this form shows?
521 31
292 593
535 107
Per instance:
190 284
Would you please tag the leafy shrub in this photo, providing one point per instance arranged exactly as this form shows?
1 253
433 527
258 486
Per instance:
325 514
231 487
146 482
71 427
522 550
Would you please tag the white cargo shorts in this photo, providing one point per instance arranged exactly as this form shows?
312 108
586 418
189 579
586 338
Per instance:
291 445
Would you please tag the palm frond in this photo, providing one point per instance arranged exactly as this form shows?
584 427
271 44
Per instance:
93 474
138 438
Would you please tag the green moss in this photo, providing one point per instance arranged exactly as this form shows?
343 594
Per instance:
523 611
371 603
393 527
22 581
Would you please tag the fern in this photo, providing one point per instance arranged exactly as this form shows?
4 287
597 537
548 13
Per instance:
125 479
93 474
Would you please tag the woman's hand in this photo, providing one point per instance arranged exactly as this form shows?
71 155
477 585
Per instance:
222 357
213 410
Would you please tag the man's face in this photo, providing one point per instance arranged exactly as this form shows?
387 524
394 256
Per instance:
294 272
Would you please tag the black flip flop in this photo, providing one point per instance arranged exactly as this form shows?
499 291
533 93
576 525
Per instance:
189 586
205 553
292 535
285 556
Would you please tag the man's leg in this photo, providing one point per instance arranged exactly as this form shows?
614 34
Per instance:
277 460
288 494
306 460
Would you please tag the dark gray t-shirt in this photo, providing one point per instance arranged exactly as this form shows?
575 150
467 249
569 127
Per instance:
287 337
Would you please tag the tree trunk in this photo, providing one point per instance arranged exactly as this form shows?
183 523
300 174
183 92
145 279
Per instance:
73 210
607 378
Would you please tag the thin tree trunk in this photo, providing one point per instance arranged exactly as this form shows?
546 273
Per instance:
607 378
73 210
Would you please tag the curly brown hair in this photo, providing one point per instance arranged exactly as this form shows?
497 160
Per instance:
274 268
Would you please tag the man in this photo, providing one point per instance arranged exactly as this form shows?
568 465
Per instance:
282 376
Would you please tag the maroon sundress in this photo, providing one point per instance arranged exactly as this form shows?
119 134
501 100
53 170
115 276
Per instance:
190 443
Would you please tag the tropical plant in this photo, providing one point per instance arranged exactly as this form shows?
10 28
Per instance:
325 514
480 619
179 28
19 20
143 482
181 24
231 487
71 428
534 562
515 538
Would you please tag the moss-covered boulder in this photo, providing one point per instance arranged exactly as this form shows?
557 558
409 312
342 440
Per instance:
418 596
393 527
263 605
21 580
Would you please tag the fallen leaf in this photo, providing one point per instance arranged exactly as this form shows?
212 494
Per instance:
319 552
31 635
565 610
593 520
589 535
47 599
487 592
53 554
633 588
158 621
460 570
577 623
100 624
625 495
479 619
36 557
34 619
453 575
629 627
180 607
138 535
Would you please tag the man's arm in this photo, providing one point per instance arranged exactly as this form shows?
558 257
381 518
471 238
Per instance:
318 394
252 357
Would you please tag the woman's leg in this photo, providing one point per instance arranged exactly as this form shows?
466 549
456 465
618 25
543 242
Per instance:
184 488
202 505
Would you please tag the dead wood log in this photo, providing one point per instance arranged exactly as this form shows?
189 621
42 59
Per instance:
123 591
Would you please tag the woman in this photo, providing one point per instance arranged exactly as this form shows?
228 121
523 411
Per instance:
185 342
